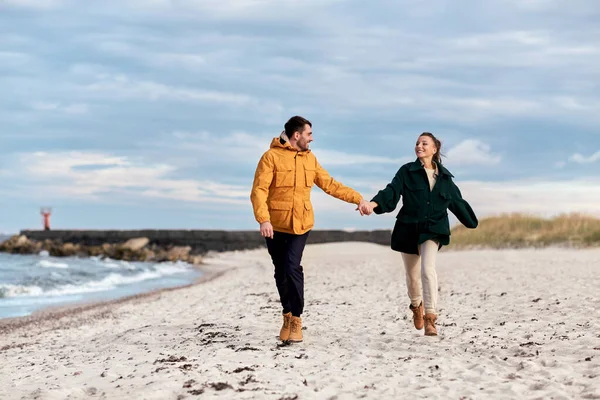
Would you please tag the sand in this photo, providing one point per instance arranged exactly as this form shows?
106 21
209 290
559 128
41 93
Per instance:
513 324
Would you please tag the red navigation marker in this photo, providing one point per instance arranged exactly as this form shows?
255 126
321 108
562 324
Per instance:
46 212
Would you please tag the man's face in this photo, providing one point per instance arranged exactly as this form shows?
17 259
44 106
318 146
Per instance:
305 138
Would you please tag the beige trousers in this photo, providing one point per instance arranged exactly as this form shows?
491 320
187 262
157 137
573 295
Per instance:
421 278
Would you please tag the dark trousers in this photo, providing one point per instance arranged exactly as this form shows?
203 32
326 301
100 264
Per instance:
286 252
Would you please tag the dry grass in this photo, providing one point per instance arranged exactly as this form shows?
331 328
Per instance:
520 230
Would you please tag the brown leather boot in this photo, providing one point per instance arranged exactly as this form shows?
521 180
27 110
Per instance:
284 333
295 330
417 315
430 329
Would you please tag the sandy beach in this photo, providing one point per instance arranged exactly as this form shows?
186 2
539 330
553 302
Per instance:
513 324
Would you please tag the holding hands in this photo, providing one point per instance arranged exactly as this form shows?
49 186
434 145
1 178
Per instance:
366 207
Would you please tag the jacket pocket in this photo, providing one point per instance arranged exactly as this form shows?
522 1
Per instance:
440 226
442 202
281 213
310 177
285 178
408 214
308 219
414 194
415 183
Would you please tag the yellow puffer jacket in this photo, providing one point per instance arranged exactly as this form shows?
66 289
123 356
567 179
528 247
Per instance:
282 183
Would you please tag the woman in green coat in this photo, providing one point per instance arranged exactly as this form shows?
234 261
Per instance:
422 226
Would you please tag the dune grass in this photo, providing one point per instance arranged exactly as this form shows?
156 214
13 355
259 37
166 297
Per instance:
522 230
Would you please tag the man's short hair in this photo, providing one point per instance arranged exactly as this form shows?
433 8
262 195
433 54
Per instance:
296 124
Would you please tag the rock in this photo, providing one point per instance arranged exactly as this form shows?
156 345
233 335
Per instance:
161 255
121 253
179 253
59 249
135 244
136 249
109 250
69 249
20 244
196 260
15 241
146 255
21 241
94 251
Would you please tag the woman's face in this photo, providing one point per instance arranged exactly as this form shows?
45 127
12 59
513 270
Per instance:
425 147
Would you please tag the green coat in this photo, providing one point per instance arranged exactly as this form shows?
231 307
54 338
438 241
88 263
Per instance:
424 214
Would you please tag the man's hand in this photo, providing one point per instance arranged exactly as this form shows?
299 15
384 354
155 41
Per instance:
366 208
266 229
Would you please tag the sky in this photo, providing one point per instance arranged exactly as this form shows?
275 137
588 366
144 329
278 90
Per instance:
138 114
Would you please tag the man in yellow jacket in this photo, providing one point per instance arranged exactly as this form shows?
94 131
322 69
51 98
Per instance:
280 198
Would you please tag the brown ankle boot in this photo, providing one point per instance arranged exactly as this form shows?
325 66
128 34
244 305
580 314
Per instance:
430 329
295 330
417 315
284 333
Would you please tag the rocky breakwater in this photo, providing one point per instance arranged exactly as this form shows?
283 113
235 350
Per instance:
162 245
135 249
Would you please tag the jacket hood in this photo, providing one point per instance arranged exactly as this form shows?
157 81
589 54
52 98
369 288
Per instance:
283 142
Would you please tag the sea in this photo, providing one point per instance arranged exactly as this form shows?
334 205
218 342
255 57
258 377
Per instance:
29 283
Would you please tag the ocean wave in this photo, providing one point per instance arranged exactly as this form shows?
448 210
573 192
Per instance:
110 263
8 290
52 264
109 282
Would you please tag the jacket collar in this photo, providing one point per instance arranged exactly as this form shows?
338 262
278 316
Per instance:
416 165
283 138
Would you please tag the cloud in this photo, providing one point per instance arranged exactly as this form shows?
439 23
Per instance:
539 197
126 88
99 176
210 150
76 108
232 9
33 4
334 157
14 59
484 41
7 56
472 152
147 55
246 148
560 164
347 68
580 159
88 70
535 5
351 65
